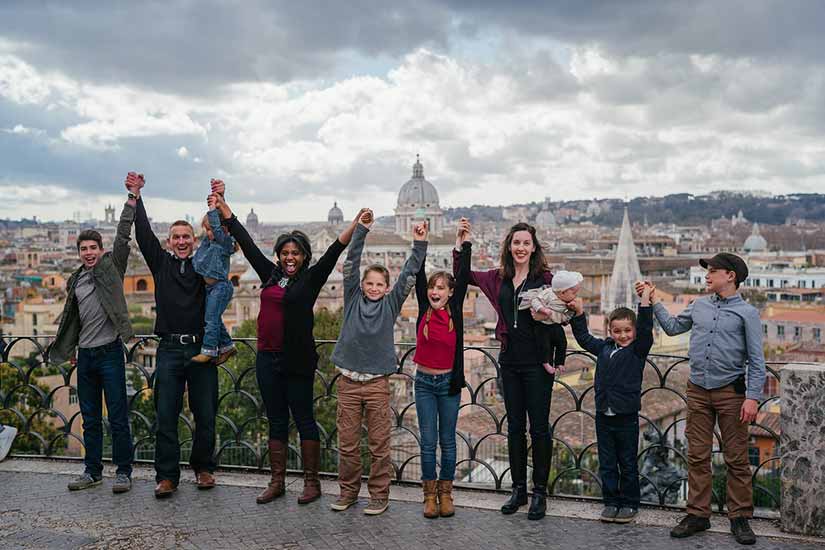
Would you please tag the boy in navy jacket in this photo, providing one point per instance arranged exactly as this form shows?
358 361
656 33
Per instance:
620 360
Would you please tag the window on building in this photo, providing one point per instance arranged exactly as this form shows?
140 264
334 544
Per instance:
770 283
764 329
34 319
817 334
141 285
235 280
797 333
780 331
753 456
802 284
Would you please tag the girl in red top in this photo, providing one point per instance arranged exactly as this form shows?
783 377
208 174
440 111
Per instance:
439 361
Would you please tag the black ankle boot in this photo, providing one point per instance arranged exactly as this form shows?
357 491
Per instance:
538 504
517 499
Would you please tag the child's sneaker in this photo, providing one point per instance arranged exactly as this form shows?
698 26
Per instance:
376 506
202 358
342 503
225 355
84 481
626 514
609 514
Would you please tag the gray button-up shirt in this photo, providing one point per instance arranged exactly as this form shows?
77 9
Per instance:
726 333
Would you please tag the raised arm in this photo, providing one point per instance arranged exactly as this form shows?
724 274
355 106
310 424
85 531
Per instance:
463 235
262 265
222 239
147 241
462 276
644 331
121 248
406 279
352 264
319 273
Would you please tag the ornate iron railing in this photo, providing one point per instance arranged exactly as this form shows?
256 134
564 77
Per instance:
40 400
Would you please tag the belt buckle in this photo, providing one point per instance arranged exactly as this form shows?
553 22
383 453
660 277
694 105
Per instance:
183 339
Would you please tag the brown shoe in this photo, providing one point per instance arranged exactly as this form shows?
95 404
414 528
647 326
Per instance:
165 488
430 499
225 356
205 480
445 498
202 358
311 457
277 460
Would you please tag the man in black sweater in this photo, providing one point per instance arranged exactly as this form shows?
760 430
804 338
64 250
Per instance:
180 299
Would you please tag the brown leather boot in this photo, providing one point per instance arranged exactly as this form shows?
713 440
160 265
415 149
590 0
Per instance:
430 499
311 457
277 460
445 498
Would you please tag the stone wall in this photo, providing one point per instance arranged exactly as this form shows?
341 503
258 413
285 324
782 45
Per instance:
803 448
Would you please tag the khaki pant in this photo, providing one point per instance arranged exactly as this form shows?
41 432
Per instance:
357 401
705 408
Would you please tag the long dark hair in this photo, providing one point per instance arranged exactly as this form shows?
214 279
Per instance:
300 239
538 263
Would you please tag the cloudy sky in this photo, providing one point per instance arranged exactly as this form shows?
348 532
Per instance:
299 104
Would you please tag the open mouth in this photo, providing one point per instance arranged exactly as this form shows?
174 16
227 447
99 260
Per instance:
290 267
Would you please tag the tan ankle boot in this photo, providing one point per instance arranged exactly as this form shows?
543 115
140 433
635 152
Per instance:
445 498
311 457
430 500
277 460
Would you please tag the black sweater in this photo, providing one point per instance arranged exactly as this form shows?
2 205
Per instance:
618 382
456 305
180 293
301 293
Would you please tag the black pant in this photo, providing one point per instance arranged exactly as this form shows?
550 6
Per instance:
283 392
551 343
618 440
175 373
528 390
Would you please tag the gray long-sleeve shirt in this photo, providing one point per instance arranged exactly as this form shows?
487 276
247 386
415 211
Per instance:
366 342
725 334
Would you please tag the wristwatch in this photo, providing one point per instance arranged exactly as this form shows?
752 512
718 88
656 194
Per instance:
132 196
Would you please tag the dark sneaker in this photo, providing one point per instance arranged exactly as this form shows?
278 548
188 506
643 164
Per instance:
342 503
742 531
609 514
122 484
84 481
376 506
626 514
689 526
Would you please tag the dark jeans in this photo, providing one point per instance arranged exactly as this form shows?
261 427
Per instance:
437 417
175 373
527 391
283 392
618 440
215 336
101 371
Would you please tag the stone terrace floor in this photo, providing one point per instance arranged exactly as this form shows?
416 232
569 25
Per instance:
38 512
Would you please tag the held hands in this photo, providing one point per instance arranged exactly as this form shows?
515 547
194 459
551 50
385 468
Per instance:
421 231
359 215
221 205
366 217
462 233
748 412
218 187
134 183
212 201
646 291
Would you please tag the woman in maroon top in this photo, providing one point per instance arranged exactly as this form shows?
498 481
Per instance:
439 377
526 386
286 360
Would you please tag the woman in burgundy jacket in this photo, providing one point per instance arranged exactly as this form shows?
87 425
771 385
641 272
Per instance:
526 386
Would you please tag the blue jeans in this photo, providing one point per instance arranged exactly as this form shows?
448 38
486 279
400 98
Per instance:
437 417
176 373
215 336
101 371
618 441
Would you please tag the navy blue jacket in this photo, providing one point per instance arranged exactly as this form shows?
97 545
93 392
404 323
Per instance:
618 381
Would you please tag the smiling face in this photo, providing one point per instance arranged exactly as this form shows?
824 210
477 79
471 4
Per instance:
623 331
439 291
181 240
291 259
374 285
719 280
522 247
90 253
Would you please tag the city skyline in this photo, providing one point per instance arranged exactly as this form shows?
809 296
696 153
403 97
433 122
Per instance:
504 105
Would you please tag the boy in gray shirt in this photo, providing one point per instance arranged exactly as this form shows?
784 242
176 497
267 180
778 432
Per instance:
365 356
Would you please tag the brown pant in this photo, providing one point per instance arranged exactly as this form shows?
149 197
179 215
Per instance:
705 408
357 400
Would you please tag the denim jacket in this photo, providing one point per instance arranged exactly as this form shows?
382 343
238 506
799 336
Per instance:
212 257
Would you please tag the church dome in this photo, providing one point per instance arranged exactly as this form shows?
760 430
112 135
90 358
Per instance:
252 218
418 192
755 242
545 218
335 215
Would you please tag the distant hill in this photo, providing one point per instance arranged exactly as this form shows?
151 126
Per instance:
682 208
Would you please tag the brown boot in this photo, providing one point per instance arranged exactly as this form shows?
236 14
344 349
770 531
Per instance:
430 499
311 457
277 485
445 498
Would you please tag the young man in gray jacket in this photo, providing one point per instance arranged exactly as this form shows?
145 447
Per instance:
95 319
365 357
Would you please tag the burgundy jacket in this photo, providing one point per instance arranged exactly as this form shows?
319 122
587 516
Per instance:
490 284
